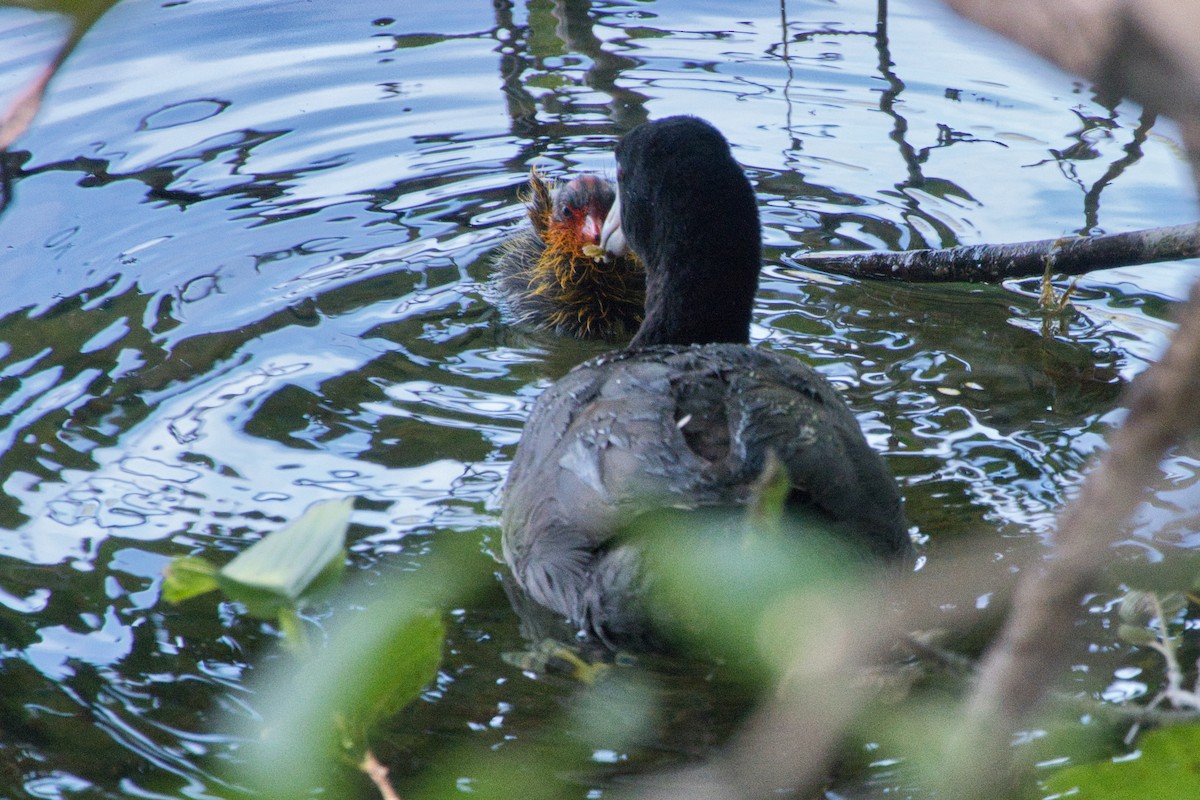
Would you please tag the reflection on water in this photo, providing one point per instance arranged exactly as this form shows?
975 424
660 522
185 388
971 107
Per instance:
244 252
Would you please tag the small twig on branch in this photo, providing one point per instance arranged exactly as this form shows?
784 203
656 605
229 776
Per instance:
1130 712
378 774
992 263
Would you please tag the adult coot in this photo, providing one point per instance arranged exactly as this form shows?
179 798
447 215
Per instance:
686 415
546 279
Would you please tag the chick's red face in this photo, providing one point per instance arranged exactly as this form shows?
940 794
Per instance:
582 205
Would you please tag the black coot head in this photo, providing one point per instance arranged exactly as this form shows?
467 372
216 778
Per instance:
680 185
687 209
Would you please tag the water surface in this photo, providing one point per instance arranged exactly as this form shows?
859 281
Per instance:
245 248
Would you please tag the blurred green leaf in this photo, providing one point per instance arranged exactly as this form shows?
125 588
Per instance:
376 661
768 497
1140 612
412 654
743 597
1136 634
600 723
188 577
294 637
1137 608
1173 604
276 570
1142 608
1167 766
533 773
270 577
615 712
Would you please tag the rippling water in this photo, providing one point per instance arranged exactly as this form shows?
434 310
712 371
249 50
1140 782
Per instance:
244 251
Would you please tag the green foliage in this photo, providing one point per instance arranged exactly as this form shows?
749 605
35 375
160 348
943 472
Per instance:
1166 765
1167 762
317 713
1140 610
496 776
734 586
277 569
742 594
615 714
273 576
188 577
409 653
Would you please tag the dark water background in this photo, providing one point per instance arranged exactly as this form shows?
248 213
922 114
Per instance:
243 259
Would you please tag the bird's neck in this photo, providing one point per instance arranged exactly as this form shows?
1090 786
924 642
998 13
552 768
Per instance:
709 301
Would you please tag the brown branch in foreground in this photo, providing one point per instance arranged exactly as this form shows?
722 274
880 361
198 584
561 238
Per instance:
1146 50
992 263
1030 653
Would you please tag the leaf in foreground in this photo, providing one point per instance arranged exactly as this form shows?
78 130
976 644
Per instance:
269 576
188 577
315 711
1168 766
275 571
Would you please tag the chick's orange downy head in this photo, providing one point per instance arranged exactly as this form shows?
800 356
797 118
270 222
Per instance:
548 275
582 206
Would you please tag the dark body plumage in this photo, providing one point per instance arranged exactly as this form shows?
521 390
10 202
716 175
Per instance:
686 416
544 279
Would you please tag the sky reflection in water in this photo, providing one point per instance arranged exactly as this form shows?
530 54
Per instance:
244 259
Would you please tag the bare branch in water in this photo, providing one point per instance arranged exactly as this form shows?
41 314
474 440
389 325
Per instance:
992 263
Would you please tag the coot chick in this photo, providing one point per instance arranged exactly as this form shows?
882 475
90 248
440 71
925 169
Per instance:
685 416
547 281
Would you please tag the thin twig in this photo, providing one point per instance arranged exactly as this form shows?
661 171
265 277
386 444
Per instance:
1179 697
378 774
